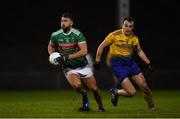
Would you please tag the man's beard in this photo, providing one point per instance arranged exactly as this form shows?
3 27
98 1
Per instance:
66 30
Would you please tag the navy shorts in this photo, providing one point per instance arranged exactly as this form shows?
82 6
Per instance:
124 67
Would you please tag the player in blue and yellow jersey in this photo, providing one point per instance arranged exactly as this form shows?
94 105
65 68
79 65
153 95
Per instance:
71 44
123 43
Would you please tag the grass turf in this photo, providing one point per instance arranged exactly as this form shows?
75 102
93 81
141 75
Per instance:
57 104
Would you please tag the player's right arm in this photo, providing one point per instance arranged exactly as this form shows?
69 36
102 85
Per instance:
107 41
51 47
100 50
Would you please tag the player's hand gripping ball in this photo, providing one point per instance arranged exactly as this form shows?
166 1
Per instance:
54 58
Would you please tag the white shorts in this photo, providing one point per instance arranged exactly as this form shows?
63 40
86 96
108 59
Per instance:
83 72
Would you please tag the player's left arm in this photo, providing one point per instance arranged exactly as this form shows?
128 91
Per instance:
82 51
142 55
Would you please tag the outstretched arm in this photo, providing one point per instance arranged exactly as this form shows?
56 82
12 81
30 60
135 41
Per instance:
100 50
142 55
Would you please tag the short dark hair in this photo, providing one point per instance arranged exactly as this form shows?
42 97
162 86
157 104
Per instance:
130 19
67 15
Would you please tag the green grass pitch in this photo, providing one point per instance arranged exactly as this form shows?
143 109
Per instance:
59 103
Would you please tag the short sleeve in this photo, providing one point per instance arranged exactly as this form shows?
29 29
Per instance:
136 42
81 38
52 38
109 38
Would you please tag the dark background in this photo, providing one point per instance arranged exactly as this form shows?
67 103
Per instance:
26 26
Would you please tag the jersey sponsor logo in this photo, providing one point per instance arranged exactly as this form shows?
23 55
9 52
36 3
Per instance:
67 40
68 46
125 44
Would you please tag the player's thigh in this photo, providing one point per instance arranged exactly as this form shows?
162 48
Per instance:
90 82
74 80
128 86
140 80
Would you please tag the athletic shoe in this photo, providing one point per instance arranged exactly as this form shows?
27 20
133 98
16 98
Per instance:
153 109
114 96
85 106
101 109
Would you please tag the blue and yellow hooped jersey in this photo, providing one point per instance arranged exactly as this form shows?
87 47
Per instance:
122 45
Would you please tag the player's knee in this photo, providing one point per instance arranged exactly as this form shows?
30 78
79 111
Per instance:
94 88
131 93
143 86
146 89
78 86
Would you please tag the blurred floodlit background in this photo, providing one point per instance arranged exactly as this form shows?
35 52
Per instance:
26 27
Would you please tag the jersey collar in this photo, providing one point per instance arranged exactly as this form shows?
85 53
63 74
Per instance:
68 32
